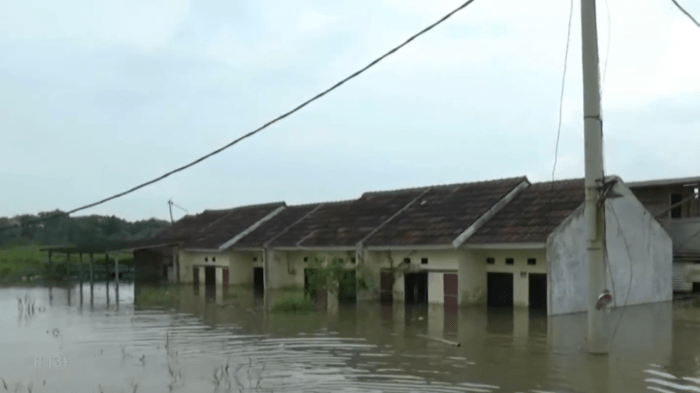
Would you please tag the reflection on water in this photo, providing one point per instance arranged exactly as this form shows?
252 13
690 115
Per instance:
211 343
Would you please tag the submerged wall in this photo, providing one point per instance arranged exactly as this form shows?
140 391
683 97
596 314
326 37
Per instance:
640 254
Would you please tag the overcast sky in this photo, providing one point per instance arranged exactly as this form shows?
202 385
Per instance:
99 96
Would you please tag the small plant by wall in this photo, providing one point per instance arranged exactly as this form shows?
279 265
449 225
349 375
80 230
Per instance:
293 304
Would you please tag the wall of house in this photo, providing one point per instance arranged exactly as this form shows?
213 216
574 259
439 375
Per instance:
439 263
472 277
639 254
188 259
657 199
287 267
241 264
520 269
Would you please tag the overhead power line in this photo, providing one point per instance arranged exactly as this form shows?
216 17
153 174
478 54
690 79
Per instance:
680 7
264 126
563 84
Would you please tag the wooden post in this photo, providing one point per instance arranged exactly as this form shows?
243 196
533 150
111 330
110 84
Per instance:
49 279
107 276
80 274
92 281
68 276
116 279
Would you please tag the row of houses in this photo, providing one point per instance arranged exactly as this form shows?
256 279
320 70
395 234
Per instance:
506 242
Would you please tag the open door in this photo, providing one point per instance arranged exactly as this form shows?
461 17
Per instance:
258 280
416 288
499 290
538 291
451 283
386 287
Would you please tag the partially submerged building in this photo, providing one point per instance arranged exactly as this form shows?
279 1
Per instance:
676 204
500 243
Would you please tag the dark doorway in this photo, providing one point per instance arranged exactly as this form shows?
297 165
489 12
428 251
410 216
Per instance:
224 272
347 291
210 276
195 275
258 280
416 285
451 283
499 290
386 286
538 291
677 211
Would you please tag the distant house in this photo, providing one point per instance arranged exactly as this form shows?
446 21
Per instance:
503 243
676 204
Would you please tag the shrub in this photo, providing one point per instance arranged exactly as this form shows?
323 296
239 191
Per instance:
293 305
161 295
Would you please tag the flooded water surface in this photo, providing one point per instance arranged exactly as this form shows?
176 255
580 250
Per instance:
205 345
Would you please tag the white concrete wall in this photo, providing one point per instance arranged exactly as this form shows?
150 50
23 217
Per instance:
188 259
241 264
645 270
439 263
472 277
287 267
521 285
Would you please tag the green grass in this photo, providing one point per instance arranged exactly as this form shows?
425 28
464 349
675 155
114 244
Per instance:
293 304
164 295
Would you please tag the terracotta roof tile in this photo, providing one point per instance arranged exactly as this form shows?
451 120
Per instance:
530 217
230 224
443 213
269 229
344 224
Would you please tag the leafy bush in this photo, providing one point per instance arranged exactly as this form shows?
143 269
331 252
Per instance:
293 305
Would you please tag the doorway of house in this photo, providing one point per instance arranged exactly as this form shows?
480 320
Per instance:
416 288
210 276
347 290
195 275
450 282
258 280
386 287
499 290
538 291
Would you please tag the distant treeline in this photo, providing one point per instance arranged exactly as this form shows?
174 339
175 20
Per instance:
66 230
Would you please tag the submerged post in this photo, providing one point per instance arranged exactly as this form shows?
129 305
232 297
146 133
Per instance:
50 278
70 282
594 214
80 276
92 281
107 276
116 279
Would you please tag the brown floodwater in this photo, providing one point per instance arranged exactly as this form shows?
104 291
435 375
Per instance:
210 345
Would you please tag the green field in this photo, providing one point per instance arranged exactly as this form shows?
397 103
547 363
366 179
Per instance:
27 265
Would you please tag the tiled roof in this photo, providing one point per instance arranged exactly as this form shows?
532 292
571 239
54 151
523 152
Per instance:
189 226
271 228
442 214
344 224
531 217
232 223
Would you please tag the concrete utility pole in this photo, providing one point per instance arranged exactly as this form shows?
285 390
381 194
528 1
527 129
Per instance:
598 334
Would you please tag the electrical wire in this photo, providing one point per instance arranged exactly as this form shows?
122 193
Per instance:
629 259
686 13
269 123
561 108
563 85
